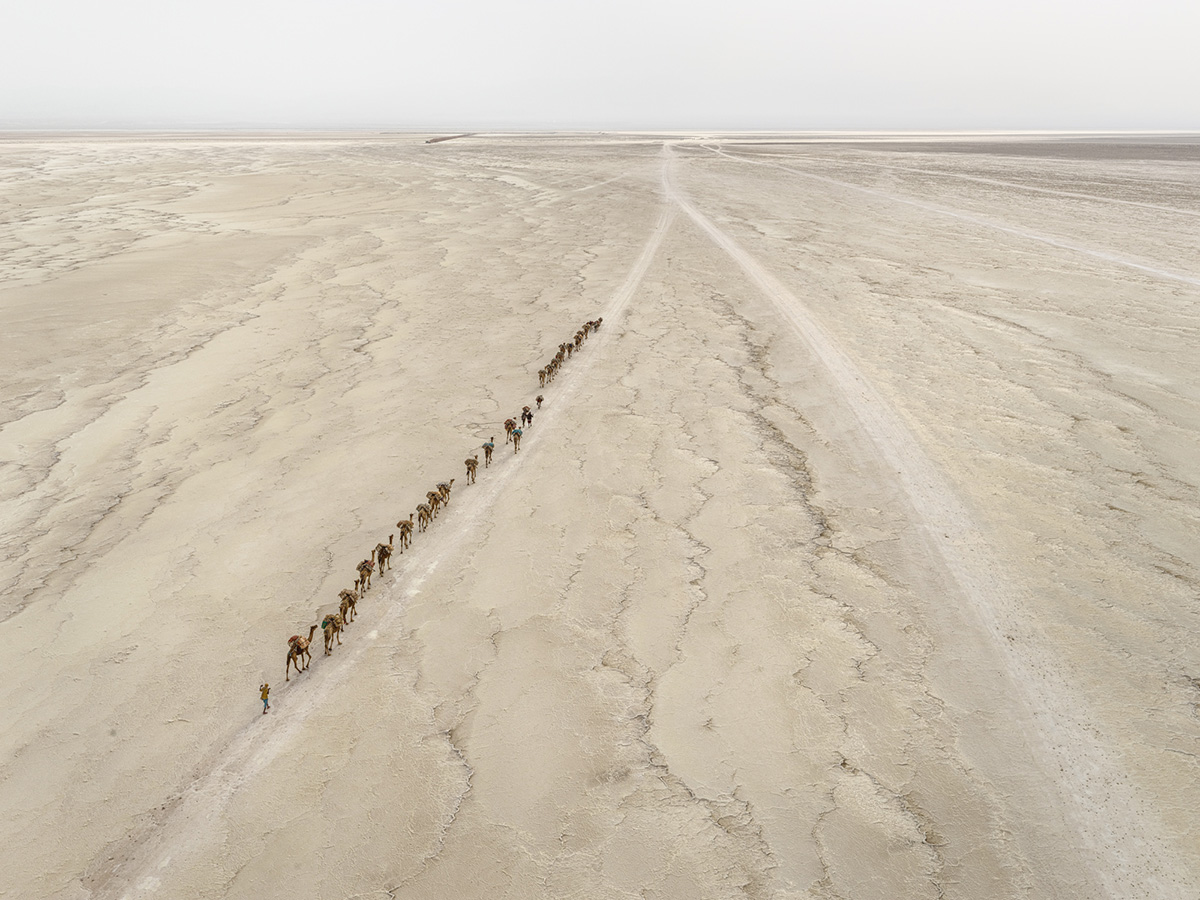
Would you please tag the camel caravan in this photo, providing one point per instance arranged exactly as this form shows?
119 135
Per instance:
332 624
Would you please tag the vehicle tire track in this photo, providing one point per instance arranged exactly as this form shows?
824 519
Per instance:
1125 850
1025 233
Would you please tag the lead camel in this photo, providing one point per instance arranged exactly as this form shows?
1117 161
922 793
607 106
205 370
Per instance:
297 652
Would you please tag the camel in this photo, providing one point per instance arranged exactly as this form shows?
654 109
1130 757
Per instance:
541 377
516 436
424 516
487 451
406 527
596 326
332 626
365 568
509 425
297 651
435 502
383 553
348 607
578 339
472 463
444 490
570 350
540 398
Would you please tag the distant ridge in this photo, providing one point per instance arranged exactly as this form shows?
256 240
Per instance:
449 137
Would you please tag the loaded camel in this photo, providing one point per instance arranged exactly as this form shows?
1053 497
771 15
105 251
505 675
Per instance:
365 568
348 606
472 463
406 527
424 516
444 491
297 652
332 626
509 425
487 451
383 553
516 439
435 502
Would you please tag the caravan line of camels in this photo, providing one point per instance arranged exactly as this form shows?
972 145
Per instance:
334 623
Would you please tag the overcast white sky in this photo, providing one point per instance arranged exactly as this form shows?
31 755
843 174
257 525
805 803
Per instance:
622 64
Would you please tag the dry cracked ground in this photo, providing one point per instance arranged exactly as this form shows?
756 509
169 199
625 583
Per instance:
855 556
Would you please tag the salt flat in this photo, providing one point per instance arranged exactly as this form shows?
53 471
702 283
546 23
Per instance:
854 557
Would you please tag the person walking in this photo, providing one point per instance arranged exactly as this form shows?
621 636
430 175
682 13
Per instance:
266 692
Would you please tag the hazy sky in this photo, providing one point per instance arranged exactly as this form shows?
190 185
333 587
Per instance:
637 64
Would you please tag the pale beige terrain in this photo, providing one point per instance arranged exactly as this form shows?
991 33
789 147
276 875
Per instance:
854 557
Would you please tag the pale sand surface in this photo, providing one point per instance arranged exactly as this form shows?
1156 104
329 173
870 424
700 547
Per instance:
855 557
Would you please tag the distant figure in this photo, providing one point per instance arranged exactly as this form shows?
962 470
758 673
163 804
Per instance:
529 418
541 377
540 398
509 425
487 451
526 415
266 692
472 464
516 439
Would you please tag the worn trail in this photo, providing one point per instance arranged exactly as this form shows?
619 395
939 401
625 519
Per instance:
1114 826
